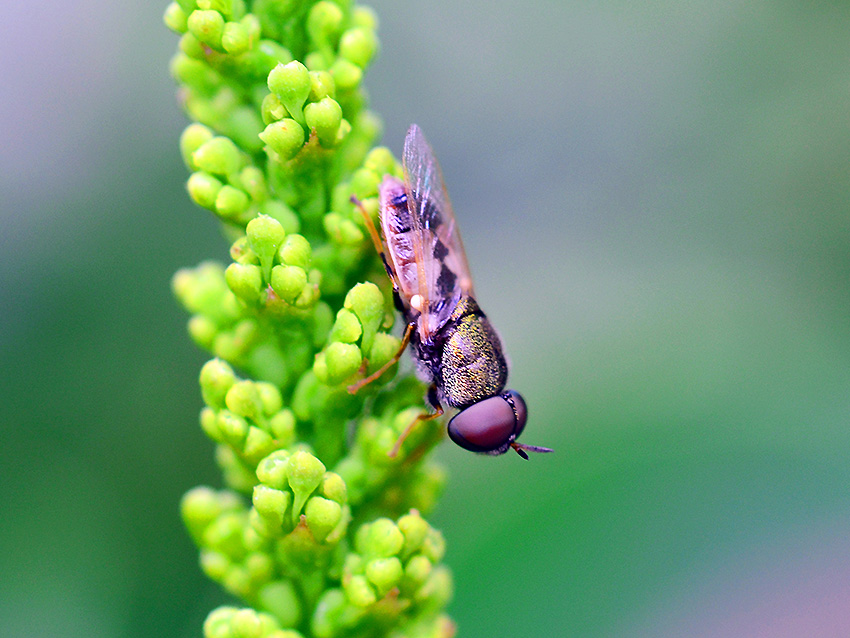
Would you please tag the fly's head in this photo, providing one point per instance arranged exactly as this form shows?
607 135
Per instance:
492 425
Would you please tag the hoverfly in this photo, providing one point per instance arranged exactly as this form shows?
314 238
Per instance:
454 345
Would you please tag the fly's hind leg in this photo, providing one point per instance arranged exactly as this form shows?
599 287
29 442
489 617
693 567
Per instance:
425 416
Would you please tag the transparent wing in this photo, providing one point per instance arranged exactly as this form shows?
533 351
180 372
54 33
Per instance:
442 276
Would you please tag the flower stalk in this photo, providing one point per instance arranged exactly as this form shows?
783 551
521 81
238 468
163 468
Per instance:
317 530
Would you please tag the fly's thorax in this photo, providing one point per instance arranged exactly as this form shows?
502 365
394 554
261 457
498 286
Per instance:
472 366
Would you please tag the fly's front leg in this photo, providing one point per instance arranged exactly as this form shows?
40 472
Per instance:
354 387
405 340
425 416
376 241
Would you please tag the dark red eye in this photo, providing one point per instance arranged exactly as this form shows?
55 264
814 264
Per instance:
489 425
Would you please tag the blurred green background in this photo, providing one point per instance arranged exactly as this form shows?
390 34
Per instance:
654 198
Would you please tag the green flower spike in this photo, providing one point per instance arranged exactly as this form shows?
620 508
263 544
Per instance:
317 531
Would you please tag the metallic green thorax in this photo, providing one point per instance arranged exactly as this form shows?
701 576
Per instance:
473 365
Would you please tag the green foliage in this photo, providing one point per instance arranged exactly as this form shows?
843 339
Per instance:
318 529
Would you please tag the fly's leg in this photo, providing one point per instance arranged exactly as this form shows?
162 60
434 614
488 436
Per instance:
376 240
379 247
425 416
354 387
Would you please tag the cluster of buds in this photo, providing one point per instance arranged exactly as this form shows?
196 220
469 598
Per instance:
392 580
281 141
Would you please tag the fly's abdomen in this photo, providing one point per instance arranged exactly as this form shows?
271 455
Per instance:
473 366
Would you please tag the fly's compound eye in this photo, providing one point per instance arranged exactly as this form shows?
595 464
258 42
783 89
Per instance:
489 425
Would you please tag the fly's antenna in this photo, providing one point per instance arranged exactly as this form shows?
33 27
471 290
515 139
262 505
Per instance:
520 449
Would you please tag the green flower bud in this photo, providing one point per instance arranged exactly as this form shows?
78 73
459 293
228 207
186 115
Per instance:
245 125
175 18
224 534
384 348
269 397
273 470
267 55
202 330
342 231
268 624
258 444
195 74
214 564
288 282
415 530
380 539
265 236
231 202
325 622
260 567
363 16
193 137
245 623
282 426
434 546
333 487
324 117
237 582
193 48
217 624
304 475
285 137
235 38
225 7
281 599
241 253
252 24
282 213
207 26
384 573
246 281
200 507
321 86
437 590
359 591
365 183
233 428
380 161
341 360
209 424
291 83
346 75
366 301
219 156
271 504
203 189
358 45
252 180
322 516
296 251
347 328
272 109
324 22
217 377
416 572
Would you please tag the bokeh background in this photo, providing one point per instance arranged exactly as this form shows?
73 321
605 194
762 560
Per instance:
654 198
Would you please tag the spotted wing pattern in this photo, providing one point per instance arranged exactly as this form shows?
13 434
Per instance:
441 275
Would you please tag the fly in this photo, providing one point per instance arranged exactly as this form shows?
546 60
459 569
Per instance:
455 347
